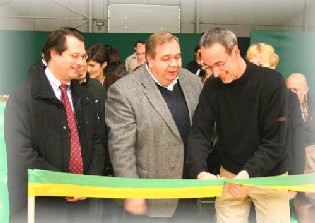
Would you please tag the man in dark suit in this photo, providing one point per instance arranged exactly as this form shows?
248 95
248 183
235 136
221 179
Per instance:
47 126
304 203
149 113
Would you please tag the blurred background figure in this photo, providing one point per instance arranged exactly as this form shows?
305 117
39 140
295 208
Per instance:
195 66
263 55
136 59
304 203
114 69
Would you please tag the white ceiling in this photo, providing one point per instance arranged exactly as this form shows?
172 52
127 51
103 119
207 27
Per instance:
240 16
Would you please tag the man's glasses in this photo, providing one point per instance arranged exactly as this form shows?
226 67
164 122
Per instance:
217 65
77 56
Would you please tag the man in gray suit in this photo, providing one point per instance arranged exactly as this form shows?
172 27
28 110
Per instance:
149 114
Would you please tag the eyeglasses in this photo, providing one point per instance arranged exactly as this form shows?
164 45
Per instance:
217 65
77 56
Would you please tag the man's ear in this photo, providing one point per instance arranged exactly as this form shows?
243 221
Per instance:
236 51
149 59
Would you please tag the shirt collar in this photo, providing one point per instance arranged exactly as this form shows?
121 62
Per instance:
170 87
55 83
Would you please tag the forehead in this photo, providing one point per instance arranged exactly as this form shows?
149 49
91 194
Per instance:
140 47
295 82
213 54
92 62
168 48
74 45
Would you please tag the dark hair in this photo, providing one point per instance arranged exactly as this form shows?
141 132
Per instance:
114 57
57 41
139 41
197 48
98 53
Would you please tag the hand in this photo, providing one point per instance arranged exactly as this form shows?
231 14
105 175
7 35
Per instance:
237 189
206 176
292 194
74 199
242 175
136 206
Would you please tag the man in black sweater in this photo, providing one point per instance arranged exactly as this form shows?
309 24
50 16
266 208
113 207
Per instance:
247 103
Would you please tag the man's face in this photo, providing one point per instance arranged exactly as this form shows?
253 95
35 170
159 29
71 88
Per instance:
82 75
166 64
68 65
298 86
219 62
140 53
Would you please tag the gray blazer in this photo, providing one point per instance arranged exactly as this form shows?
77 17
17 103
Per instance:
143 139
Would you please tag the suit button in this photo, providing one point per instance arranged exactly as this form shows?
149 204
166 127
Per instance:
64 127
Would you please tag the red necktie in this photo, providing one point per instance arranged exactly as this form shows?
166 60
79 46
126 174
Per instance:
75 163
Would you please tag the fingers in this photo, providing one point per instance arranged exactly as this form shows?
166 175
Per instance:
136 206
206 176
74 199
236 189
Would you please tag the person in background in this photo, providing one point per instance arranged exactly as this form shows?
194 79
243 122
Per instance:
148 114
140 54
263 55
137 58
195 66
114 69
98 59
51 123
248 105
304 203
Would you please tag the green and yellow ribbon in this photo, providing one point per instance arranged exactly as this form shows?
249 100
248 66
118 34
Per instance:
49 183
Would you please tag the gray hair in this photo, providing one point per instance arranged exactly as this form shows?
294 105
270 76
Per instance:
219 35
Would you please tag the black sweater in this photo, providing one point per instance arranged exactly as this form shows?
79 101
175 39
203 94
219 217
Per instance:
250 116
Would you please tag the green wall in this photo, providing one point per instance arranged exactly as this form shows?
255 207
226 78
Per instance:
19 50
295 49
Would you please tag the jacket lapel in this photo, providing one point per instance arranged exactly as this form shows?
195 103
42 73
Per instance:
156 99
186 87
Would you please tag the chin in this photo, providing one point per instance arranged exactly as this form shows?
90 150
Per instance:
227 81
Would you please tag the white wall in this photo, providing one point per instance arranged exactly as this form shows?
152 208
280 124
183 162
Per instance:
241 16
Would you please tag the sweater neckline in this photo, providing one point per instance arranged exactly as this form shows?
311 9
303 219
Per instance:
243 79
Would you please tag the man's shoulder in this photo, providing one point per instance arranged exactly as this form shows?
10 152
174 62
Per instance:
131 57
266 75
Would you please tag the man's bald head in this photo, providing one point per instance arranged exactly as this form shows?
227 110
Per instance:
297 83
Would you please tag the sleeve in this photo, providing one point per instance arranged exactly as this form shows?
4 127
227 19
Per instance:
271 151
199 140
18 135
121 122
21 155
